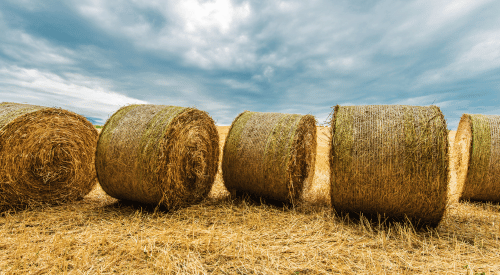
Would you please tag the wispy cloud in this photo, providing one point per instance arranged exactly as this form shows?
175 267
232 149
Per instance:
226 56
203 34
26 49
74 91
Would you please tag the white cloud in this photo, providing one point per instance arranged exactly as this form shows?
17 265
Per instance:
301 52
481 53
183 90
204 33
209 15
419 23
433 99
21 46
288 6
73 90
233 84
268 72
30 50
342 63
443 12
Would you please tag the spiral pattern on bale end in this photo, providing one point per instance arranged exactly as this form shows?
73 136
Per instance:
477 156
47 155
390 161
156 154
270 155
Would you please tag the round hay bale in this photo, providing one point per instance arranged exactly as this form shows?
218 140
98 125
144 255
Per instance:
390 161
270 155
155 154
477 147
47 155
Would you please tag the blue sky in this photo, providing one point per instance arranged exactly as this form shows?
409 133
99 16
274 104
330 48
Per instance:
224 56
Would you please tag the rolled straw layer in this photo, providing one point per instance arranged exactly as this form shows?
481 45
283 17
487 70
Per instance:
390 161
270 155
156 154
46 155
477 144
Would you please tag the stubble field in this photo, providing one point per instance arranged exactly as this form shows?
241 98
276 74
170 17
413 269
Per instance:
226 235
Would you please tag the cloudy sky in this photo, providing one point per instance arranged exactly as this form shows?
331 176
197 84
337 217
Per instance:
227 56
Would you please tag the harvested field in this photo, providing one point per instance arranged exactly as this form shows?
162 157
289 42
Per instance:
221 235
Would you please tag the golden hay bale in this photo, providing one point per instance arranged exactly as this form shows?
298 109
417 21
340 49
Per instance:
156 154
477 144
270 155
46 155
390 161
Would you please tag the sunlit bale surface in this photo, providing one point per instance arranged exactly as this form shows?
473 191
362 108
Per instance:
270 155
160 155
46 155
390 160
477 157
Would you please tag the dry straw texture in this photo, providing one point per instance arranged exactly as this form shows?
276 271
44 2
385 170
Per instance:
477 144
390 161
270 155
225 235
46 155
161 155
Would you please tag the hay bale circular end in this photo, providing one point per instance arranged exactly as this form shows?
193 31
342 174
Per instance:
390 161
477 157
156 154
270 155
461 153
47 155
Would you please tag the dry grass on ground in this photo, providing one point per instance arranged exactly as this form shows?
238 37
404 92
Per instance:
222 235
